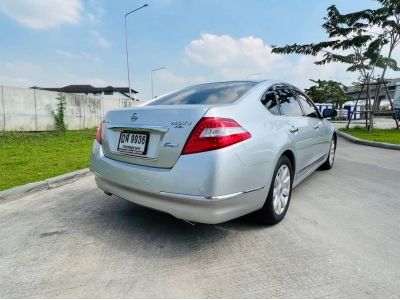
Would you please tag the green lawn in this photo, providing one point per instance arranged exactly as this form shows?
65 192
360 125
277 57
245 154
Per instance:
391 136
33 156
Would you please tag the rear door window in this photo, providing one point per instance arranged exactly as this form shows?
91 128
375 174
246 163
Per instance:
288 103
211 93
269 101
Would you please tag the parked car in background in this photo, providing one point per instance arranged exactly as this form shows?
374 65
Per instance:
213 152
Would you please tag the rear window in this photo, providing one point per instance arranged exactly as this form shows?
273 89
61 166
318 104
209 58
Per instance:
210 93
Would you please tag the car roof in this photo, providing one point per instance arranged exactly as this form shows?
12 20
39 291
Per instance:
258 83
269 82
262 81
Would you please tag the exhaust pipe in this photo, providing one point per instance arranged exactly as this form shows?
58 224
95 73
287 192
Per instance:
191 223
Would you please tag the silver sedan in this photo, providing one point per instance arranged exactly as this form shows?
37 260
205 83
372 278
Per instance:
213 152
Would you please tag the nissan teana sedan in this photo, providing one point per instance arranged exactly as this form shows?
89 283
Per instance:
213 152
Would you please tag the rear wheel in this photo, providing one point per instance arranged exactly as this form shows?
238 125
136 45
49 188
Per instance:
277 202
328 164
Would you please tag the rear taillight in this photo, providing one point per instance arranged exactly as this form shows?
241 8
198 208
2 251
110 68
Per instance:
99 133
214 133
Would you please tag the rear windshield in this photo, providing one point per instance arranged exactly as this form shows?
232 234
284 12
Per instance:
210 93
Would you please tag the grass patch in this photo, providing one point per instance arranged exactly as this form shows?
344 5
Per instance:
391 136
33 156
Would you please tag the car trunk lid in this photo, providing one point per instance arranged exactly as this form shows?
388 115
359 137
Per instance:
165 130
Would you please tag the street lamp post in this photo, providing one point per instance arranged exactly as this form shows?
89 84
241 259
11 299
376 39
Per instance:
152 86
126 47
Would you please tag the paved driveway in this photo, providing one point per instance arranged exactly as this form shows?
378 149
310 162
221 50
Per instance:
340 238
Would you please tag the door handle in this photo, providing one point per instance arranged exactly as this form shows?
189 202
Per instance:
294 129
316 126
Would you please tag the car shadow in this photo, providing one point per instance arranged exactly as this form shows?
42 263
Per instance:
125 225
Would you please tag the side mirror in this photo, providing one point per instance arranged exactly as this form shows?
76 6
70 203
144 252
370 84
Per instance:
329 113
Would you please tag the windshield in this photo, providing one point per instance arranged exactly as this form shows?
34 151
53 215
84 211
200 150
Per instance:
210 93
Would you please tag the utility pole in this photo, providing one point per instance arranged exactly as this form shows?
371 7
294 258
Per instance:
126 47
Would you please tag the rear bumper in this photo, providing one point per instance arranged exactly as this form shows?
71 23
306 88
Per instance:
188 207
196 189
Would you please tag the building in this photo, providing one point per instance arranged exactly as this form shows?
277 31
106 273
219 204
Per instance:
83 89
384 104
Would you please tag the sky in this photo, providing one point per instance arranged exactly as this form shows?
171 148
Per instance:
53 43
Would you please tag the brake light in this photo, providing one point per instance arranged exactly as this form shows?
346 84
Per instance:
99 133
214 133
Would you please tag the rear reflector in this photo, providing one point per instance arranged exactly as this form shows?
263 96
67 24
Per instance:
214 133
99 133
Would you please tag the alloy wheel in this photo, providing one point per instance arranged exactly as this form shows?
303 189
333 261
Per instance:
281 189
332 153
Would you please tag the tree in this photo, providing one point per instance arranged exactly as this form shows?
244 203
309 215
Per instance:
388 19
349 42
352 40
328 91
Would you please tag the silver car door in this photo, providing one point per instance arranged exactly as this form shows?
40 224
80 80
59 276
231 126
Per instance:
322 138
300 131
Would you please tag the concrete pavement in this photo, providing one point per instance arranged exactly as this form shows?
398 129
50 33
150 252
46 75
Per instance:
379 122
340 238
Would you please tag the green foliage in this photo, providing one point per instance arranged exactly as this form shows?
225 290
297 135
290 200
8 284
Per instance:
59 113
328 91
33 156
352 39
357 39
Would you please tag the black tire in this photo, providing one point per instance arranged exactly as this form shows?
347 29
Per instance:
267 214
327 165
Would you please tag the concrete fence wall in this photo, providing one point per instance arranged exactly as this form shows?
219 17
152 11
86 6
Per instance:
30 110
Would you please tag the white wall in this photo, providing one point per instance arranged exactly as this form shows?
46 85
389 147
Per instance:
29 110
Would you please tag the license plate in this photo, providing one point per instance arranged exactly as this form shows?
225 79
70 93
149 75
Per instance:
133 143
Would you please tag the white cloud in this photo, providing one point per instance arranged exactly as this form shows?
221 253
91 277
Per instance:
64 53
81 55
95 11
26 74
164 81
43 14
303 69
231 56
19 73
99 39
97 82
169 78
228 58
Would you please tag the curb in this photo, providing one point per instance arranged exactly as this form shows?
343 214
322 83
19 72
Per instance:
46 184
367 143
